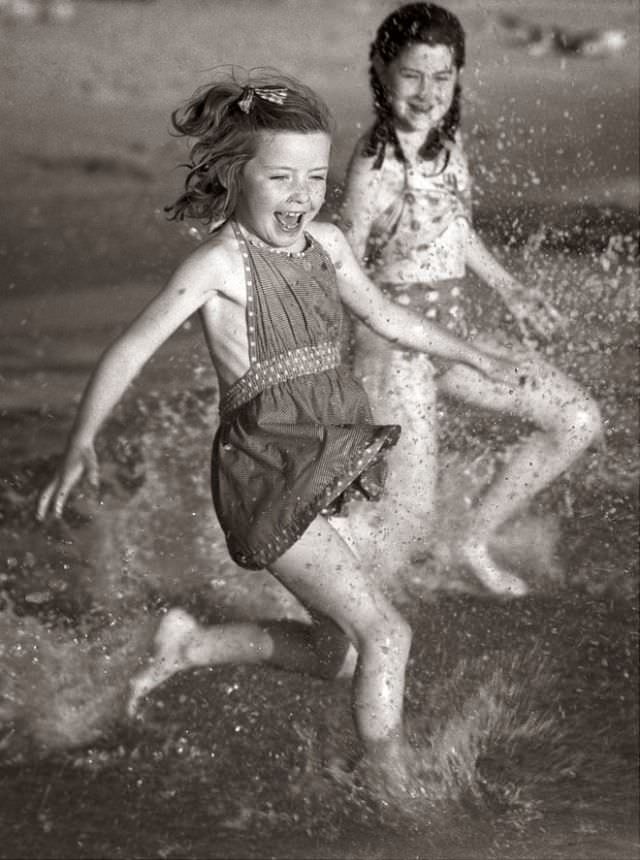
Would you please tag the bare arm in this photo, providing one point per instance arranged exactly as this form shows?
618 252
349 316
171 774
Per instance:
395 322
358 210
189 288
529 307
481 261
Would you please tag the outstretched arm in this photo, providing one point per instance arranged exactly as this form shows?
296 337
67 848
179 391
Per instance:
397 323
358 209
529 307
189 288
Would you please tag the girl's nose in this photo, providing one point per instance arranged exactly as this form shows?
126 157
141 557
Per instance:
300 192
424 87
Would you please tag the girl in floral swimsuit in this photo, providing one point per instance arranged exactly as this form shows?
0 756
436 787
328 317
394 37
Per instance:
407 214
296 435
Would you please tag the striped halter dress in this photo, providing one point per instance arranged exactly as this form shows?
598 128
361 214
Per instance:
296 435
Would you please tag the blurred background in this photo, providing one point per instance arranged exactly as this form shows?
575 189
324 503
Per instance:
88 86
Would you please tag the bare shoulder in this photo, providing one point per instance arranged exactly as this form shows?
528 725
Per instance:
360 202
361 165
214 267
329 236
458 150
358 156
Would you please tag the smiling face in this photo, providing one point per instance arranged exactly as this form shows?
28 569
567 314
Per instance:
283 186
420 83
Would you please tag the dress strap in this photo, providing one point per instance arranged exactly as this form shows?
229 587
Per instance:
250 312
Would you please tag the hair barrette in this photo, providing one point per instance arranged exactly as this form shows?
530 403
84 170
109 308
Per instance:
276 95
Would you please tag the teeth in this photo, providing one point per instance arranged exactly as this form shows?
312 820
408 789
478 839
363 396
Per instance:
289 220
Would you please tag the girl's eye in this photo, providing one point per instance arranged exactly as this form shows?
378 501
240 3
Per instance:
319 178
278 176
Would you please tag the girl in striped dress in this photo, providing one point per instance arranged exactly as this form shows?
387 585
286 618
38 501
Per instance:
296 437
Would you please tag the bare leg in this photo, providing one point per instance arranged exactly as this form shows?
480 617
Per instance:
170 645
569 421
401 390
321 571
180 643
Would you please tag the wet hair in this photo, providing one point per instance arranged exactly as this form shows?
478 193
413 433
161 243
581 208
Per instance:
412 24
226 135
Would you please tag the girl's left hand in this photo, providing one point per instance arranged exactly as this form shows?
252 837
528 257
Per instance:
78 462
507 363
533 313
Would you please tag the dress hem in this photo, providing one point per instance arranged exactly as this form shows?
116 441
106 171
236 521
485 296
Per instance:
386 437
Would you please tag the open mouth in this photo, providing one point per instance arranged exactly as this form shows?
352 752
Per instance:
420 110
289 221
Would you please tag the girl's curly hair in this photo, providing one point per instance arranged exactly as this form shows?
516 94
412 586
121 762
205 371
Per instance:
413 23
226 136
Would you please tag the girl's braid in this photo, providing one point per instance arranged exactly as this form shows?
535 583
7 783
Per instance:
383 130
412 23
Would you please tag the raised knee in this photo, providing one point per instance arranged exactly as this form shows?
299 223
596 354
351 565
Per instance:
584 424
335 657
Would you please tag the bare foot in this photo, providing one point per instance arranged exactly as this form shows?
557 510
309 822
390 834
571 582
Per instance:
172 638
477 556
341 768
386 770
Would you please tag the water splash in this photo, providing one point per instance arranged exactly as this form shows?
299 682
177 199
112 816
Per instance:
61 687
81 597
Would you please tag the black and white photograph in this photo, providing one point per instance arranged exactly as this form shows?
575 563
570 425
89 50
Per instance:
319 464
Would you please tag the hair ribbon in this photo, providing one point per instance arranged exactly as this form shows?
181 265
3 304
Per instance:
276 95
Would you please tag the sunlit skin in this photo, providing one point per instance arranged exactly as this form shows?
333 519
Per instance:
356 631
420 84
283 187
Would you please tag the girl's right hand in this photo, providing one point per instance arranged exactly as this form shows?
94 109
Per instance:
533 313
501 367
78 461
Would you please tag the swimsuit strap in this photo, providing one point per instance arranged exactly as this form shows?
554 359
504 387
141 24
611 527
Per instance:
393 212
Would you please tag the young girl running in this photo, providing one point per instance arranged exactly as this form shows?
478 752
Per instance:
407 214
296 438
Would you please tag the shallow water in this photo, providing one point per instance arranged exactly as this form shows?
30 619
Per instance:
527 748
523 714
